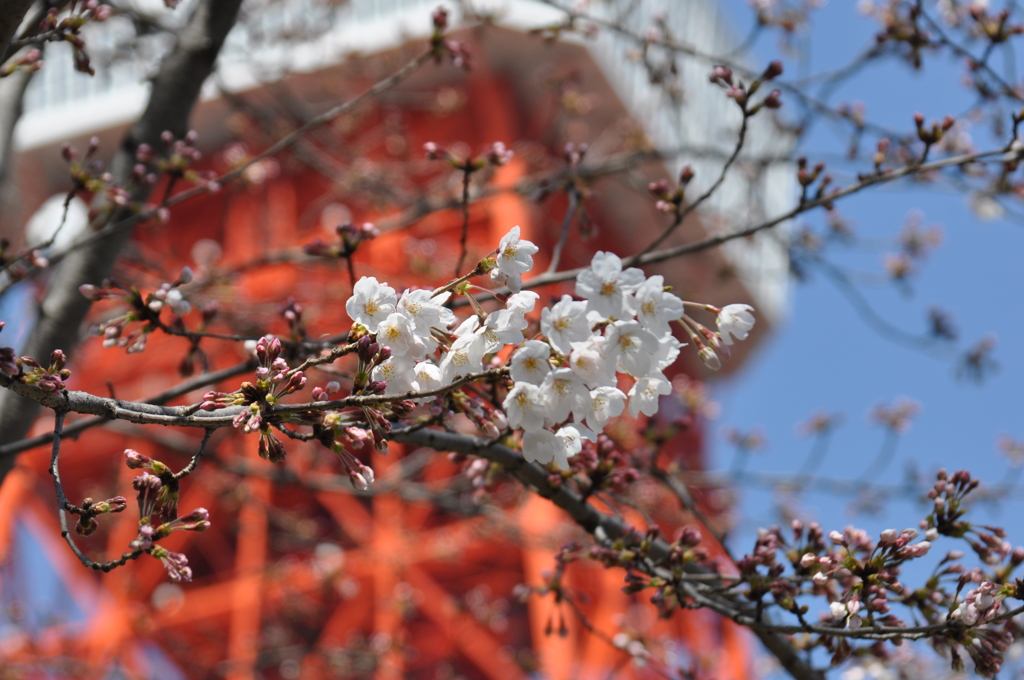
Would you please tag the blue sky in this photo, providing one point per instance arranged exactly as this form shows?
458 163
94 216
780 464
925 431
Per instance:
826 358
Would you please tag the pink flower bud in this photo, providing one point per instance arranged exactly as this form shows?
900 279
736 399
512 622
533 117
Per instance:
135 459
440 18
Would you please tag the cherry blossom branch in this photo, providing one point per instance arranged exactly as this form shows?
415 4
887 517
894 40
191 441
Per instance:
158 399
191 416
683 213
791 89
535 477
63 506
829 199
175 88
282 144
570 212
376 399
188 469
682 493
1007 89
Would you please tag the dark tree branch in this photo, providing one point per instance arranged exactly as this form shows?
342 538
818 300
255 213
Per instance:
159 399
12 13
594 522
12 93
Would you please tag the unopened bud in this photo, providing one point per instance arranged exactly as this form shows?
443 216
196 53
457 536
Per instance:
57 360
359 482
440 18
135 460
710 359
774 70
774 99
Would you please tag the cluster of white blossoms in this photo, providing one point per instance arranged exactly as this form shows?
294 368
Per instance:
566 380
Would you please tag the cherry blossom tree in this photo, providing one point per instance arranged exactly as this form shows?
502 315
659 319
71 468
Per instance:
516 386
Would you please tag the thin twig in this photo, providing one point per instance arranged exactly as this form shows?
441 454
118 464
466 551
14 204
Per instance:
683 214
570 213
282 144
187 470
63 505
682 493
467 173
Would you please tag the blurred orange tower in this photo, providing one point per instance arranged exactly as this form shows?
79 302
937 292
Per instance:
300 576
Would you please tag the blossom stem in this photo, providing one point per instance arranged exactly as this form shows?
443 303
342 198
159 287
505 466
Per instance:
451 285
701 305
688 325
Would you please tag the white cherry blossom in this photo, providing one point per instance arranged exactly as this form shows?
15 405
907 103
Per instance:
465 356
468 325
545 446
526 406
540 446
587 360
604 403
493 342
668 352
630 347
655 307
735 321
607 288
530 362
572 443
644 395
521 303
506 326
565 391
398 333
564 323
398 373
585 432
515 258
428 376
426 313
371 302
